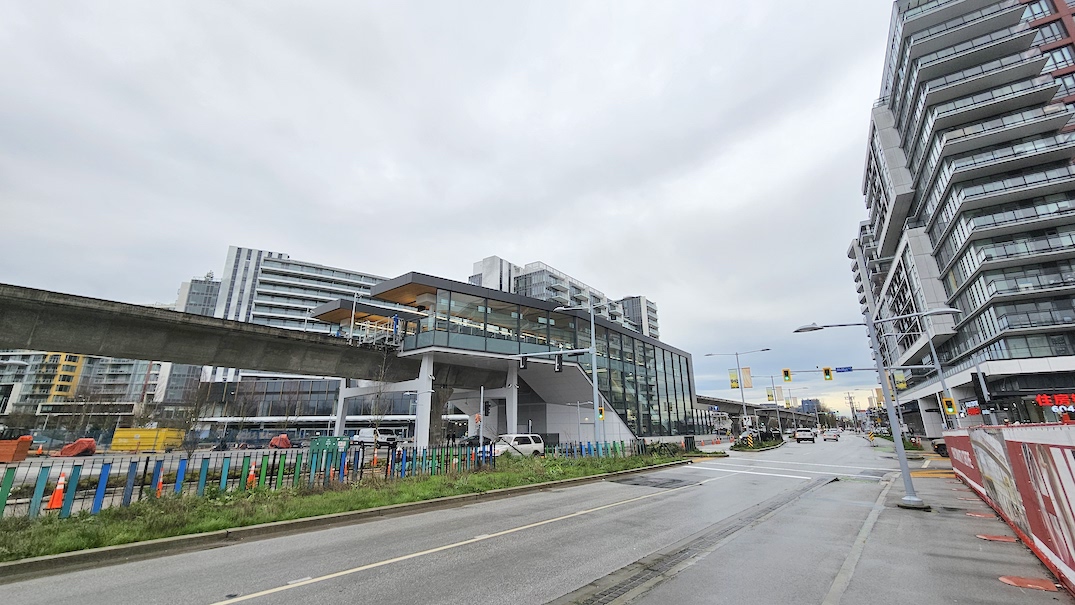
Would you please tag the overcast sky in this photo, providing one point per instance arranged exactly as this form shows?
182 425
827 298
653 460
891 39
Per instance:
705 154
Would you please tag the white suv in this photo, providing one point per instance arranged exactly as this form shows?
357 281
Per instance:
519 445
804 435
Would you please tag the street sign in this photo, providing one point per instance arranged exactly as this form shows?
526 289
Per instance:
842 370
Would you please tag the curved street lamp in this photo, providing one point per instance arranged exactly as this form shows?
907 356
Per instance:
910 498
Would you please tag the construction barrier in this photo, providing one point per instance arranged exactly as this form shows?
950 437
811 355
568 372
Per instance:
1027 474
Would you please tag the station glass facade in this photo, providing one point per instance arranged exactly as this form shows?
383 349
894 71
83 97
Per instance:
649 384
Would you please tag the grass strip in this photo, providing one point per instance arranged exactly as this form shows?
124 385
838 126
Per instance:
21 537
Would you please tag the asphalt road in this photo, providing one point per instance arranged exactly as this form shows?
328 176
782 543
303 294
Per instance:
534 548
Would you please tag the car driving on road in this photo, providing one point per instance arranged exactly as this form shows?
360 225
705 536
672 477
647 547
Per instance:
804 435
831 435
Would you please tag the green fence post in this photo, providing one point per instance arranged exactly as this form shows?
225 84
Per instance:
5 487
243 474
280 470
264 469
296 472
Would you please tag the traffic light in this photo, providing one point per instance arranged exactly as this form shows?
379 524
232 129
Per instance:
787 375
559 364
601 413
949 405
827 373
487 407
522 363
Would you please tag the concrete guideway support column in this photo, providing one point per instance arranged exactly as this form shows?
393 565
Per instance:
425 402
511 396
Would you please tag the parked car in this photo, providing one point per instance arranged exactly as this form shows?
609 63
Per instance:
831 435
472 441
804 435
519 445
375 437
940 447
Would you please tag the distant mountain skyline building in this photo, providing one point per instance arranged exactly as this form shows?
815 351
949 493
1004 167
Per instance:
969 190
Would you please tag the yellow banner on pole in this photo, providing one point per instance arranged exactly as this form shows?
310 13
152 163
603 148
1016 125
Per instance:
900 379
733 376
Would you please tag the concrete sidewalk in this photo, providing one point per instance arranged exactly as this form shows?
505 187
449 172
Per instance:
936 557
848 542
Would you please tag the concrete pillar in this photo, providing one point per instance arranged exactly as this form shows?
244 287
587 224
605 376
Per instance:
511 397
341 410
425 402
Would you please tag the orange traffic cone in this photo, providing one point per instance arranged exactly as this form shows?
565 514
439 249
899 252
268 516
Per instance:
374 463
160 486
250 479
40 450
56 501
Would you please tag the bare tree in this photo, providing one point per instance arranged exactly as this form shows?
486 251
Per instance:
196 406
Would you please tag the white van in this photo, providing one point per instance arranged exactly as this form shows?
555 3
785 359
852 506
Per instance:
519 445
374 437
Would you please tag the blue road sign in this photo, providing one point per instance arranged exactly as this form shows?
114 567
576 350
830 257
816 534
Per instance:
842 370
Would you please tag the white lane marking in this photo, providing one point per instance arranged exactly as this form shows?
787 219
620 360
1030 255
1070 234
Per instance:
776 468
481 536
926 463
414 555
299 580
728 470
868 468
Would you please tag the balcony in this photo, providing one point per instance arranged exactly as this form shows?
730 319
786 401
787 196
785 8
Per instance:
558 297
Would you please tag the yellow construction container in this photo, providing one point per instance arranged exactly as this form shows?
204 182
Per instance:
146 440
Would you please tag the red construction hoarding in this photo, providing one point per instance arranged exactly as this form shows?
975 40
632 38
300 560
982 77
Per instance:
1027 474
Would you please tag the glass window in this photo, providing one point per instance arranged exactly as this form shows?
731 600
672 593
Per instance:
534 330
466 322
561 330
502 328
522 440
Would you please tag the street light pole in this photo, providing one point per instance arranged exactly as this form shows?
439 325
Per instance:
739 379
593 367
593 370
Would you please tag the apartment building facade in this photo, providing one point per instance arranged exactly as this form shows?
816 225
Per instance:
970 195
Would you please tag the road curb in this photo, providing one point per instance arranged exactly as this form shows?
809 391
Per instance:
764 449
24 569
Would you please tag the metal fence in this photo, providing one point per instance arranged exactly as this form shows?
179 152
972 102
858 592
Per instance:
33 487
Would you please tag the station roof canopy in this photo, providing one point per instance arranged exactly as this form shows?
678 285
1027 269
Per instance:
339 312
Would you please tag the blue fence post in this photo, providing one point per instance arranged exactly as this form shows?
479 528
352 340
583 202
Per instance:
39 491
343 463
132 475
313 466
203 474
102 487
180 475
69 497
158 472
224 468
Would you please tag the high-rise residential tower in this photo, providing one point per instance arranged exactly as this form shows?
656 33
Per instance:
539 280
970 197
